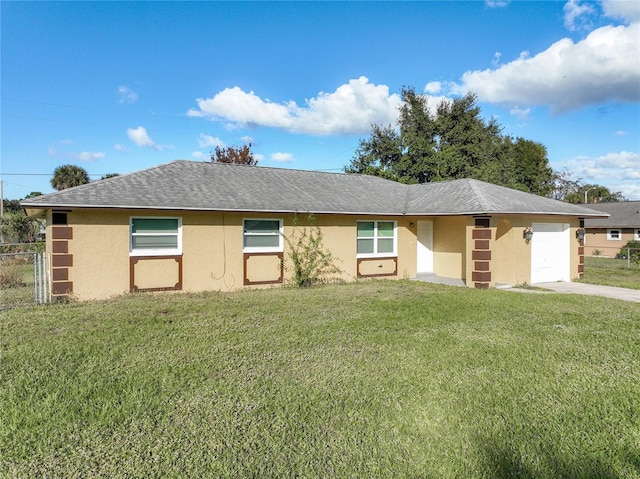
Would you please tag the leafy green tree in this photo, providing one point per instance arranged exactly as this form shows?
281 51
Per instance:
454 142
233 154
68 176
17 227
109 175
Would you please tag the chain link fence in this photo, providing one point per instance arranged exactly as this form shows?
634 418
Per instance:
23 276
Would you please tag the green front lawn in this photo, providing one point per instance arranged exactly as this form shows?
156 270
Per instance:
373 379
611 272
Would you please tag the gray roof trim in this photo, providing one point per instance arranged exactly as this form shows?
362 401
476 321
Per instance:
204 186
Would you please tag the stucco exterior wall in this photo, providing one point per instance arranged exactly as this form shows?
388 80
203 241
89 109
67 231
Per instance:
511 254
596 239
212 252
450 245
212 256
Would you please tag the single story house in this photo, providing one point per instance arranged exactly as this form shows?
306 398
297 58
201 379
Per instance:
605 236
196 226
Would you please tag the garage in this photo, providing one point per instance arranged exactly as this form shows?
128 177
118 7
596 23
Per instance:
550 253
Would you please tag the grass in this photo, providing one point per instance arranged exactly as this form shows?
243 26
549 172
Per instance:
611 272
16 281
373 379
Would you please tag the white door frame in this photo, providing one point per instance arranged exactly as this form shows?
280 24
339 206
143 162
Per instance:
424 243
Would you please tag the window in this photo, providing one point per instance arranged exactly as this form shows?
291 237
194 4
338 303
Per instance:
262 236
636 236
156 236
613 235
376 238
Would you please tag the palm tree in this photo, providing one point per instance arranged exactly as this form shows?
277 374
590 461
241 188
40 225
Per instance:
68 176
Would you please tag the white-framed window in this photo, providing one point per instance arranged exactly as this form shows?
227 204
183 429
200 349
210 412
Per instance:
614 235
376 238
262 235
636 235
155 236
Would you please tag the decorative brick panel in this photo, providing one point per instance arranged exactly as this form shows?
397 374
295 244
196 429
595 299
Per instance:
62 288
481 234
481 276
580 250
62 232
580 268
481 255
482 244
481 266
61 260
60 246
60 274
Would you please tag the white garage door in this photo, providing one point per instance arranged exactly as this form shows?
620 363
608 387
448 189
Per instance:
550 253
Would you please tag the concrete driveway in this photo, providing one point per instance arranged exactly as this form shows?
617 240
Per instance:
592 290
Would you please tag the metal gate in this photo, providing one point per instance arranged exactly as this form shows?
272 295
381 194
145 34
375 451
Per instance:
23 279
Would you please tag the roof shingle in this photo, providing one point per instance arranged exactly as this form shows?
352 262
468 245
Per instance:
190 185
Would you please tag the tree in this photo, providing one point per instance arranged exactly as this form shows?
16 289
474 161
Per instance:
68 176
565 188
17 227
454 142
109 175
232 154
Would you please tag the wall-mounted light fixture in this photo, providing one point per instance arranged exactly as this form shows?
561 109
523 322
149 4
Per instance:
527 234
580 234
412 224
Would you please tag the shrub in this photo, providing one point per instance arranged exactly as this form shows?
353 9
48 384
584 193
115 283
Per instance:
632 248
597 252
11 274
309 262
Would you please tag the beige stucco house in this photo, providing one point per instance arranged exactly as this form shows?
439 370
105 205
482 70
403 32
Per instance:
197 226
605 236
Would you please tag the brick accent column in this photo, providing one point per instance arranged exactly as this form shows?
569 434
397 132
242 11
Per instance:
581 254
481 253
61 260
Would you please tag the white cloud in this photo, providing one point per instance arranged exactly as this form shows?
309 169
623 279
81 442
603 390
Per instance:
205 141
282 157
89 156
126 95
617 171
120 147
520 113
258 157
577 15
621 133
140 137
496 3
198 155
604 67
433 87
624 9
246 140
351 108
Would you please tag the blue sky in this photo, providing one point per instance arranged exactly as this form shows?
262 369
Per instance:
122 86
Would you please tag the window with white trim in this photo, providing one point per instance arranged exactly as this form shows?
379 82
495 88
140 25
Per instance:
155 236
376 238
636 236
262 235
614 235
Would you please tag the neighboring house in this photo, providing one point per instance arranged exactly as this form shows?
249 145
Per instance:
605 236
198 226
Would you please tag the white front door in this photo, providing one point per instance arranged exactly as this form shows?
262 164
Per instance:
550 253
425 247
